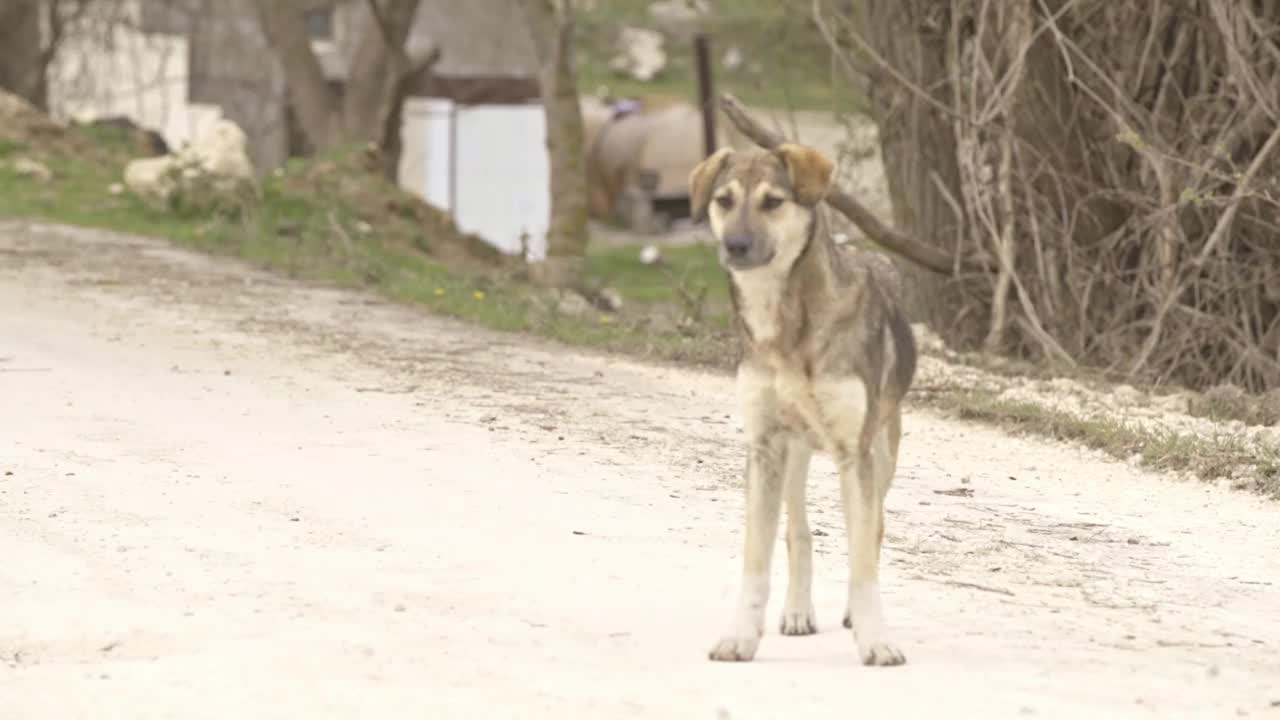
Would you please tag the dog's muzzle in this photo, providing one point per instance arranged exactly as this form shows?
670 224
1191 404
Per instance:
737 247
741 252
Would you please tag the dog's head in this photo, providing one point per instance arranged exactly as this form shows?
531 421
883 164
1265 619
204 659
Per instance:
759 203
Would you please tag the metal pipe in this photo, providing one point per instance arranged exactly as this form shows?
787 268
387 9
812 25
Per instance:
706 91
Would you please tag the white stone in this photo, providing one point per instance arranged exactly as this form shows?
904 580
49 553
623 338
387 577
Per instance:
151 177
219 153
926 339
733 59
573 304
32 169
640 54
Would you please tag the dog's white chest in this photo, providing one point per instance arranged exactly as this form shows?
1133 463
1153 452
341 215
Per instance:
759 297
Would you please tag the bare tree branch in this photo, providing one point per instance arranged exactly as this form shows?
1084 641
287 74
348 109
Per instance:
550 25
1220 230
886 237
881 63
1135 226
384 28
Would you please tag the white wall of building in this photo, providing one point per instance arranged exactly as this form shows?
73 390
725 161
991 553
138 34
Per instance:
105 66
486 164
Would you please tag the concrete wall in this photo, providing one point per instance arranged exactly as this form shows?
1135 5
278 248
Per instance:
177 65
487 165
108 66
174 66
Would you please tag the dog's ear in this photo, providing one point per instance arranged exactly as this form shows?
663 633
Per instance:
809 169
701 181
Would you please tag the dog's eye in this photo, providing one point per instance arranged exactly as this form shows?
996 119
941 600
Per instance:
725 202
771 202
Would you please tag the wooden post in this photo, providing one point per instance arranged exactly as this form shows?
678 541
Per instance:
706 93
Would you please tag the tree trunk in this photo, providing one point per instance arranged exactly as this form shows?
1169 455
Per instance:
22 60
918 145
392 124
939 153
313 102
379 68
372 95
1106 161
567 235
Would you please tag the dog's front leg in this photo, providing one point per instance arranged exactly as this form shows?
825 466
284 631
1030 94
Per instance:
766 460
798 616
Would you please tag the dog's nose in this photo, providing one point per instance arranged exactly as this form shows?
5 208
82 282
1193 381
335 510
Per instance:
737 245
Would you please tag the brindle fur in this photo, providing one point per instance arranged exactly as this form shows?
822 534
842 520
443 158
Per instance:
827 357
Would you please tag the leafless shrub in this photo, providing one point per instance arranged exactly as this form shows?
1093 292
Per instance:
1104 173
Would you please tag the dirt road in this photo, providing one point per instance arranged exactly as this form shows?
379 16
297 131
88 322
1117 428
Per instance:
223 495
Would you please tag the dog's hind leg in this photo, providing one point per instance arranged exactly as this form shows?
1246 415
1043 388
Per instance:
765 469
892 433
864 479
861 443
798 617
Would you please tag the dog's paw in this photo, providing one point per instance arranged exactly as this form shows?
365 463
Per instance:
881 654
735 649
797 621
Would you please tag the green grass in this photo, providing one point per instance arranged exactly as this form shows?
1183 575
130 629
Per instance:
787 64
1227 402
1206 458
688 277
334 221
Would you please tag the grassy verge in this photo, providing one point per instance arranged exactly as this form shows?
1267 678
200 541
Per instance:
1206 458
334 220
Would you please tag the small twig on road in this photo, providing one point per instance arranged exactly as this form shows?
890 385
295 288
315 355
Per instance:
1041 548
390 391
976 586
966 584
1206 646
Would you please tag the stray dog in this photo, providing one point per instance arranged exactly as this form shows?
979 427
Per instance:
827 357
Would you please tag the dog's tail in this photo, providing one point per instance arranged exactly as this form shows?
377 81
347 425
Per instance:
904 348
